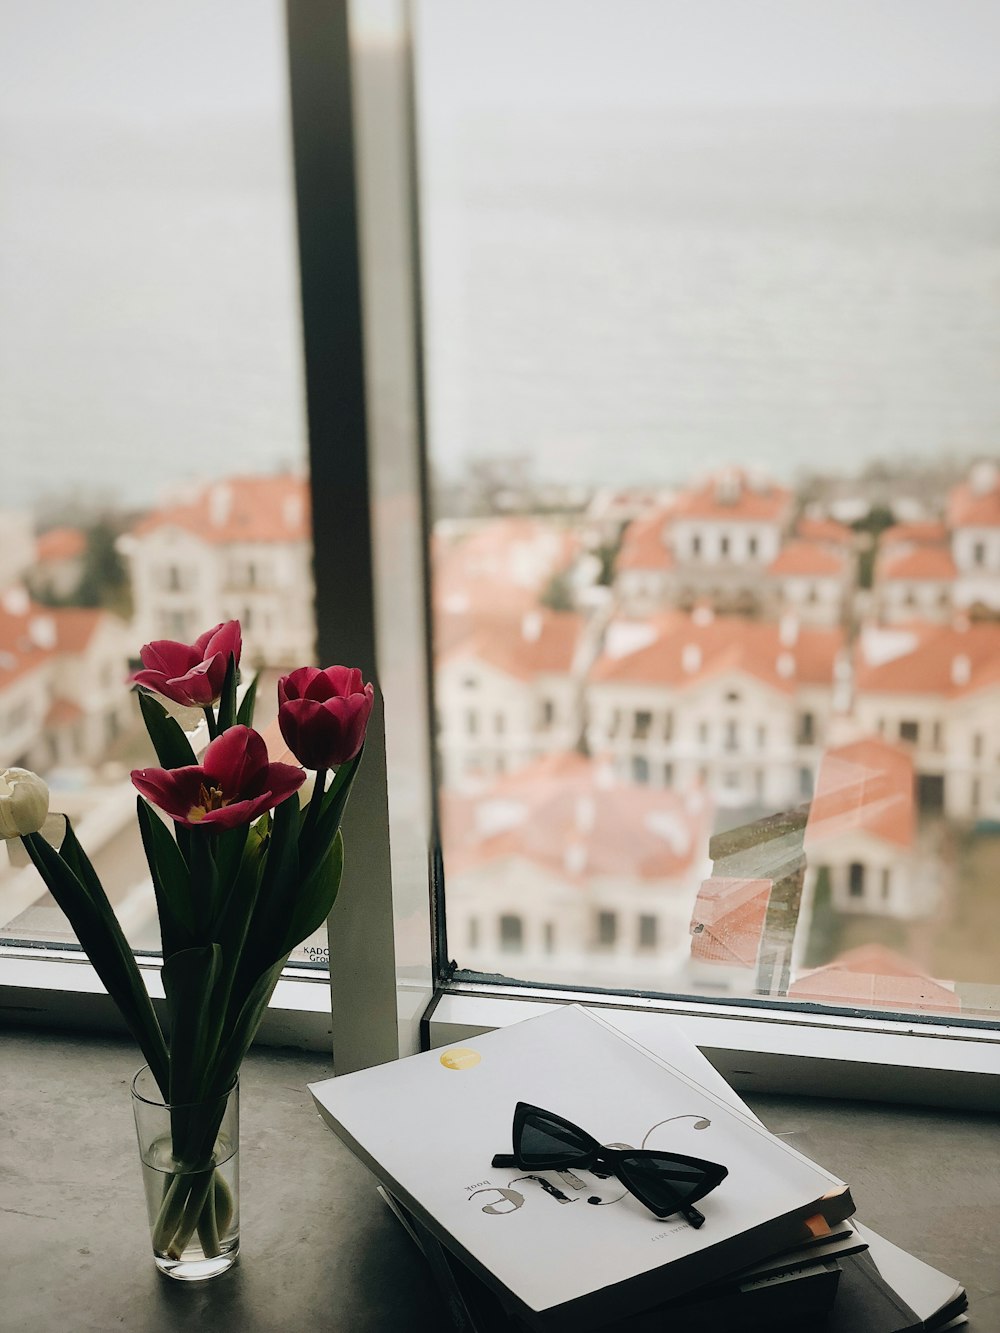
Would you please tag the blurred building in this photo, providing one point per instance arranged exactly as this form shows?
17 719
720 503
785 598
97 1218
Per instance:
935 690
63 700
739 708
238 549
572 874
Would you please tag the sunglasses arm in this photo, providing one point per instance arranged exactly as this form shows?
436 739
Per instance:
504 1159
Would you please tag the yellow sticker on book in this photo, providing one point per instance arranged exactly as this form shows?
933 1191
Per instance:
460 1057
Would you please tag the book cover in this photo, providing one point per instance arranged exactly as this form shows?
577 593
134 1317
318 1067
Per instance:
804 1288
573 1249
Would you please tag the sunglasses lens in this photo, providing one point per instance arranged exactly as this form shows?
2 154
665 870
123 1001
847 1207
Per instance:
549 1143
664 1183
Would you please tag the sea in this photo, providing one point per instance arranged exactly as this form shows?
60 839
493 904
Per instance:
621 296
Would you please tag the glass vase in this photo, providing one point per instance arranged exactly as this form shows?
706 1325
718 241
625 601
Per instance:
191 1172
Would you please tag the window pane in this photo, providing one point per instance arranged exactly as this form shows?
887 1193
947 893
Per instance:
151 411
713 408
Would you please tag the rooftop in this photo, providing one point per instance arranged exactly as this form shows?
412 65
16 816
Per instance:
239 509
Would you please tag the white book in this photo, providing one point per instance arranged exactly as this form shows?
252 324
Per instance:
429 1125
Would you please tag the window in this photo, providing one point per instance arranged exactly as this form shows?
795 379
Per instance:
856 879
647 931
125 185
909 731
807 729
473 932
549 937
511 933
640 769
607 929
474 479
642 724
731 738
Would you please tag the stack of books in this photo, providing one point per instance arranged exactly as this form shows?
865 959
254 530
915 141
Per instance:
514 1248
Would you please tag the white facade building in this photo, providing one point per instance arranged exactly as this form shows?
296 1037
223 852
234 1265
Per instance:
936 691
63 698
509 691
236 549
740 709
973 516
562 873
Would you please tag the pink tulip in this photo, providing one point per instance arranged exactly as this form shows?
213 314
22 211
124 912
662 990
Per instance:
191 674
323 714
232 785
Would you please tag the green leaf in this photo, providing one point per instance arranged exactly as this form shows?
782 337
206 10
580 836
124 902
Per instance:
243 1029
314 901
96 927
227 700
189 983
79 862
173 749
278 886
205 889
317 839
228 849
171 881
245 715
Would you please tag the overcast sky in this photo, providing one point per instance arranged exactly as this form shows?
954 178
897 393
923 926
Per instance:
193 57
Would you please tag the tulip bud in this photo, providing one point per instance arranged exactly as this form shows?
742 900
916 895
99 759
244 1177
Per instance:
24 802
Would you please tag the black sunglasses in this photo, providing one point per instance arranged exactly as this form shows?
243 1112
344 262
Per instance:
665 1182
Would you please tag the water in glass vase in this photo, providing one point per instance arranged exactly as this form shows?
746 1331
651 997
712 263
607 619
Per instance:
193 1215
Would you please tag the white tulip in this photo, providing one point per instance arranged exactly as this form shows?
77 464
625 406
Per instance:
24 802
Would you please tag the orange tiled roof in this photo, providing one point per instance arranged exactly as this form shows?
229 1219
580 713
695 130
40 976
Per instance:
725 643
239 509
20 653
918 562
733 495
75 626
30 635
569 816
501 549
808 558
972 508
60 544
727 923
826 531
643 546
941 659
928 532
874 975
866 786
513 646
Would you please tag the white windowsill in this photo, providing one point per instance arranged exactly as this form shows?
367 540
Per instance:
756 1050
60 989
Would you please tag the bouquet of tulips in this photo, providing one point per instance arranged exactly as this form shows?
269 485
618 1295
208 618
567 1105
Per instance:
241 873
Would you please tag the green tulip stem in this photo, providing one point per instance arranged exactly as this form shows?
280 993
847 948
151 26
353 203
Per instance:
213 730
312 814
